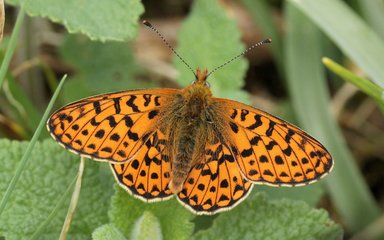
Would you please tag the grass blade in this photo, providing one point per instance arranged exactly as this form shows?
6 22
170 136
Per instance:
364 85
11 47
25 157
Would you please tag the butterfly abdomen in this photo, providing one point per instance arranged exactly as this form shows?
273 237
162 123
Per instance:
184 144
188 131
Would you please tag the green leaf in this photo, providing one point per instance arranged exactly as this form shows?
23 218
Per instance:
310 194
100 67
174 219
58 204
107 232
99 20
257 218
207 39
310 98
50 170
147 227
350 33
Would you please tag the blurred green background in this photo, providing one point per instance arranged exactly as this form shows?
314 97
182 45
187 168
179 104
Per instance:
324 72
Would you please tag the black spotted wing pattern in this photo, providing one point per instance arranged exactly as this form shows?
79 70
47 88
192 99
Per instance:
147 175
272 151
215 184
109 127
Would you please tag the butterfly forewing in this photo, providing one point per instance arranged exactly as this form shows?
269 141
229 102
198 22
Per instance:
110 127
214 184
272 151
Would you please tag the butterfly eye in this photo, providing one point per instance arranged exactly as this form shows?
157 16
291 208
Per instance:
207 84
194 81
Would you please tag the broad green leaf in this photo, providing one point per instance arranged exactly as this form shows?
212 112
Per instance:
174 219
50 170
350 33
58 205
258 218
147 227
76 88
100 67
99 20
107 232
310 98
207 39
203 222
310 194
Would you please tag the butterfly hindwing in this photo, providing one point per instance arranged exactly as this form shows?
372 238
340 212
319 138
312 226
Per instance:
272 151
109 127
147 175
214 184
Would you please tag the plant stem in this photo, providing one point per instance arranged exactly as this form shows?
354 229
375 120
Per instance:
74 201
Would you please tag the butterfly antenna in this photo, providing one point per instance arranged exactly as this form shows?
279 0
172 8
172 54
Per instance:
148 24
268 40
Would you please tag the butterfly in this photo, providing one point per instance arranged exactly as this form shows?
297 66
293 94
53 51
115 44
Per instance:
207 151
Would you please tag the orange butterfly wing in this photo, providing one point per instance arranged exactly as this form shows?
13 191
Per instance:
215 184
271 151
109 127
147 175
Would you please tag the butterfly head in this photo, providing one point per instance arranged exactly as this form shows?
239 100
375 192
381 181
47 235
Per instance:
199 89
201 77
